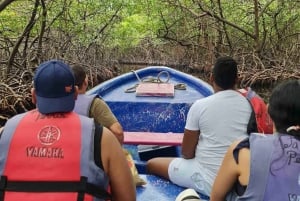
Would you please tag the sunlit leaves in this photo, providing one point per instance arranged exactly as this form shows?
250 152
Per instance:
125 23
13 19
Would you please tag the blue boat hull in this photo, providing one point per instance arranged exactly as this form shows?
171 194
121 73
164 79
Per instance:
152 114
160 190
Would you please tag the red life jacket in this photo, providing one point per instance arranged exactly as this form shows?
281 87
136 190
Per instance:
263 119
50 157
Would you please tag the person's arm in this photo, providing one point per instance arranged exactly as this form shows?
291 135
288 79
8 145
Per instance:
103 115
227 176
116 167
189 143
191 131
117 130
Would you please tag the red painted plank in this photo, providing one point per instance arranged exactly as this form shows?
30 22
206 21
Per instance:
150 138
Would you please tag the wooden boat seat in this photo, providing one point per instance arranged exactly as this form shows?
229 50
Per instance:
153 138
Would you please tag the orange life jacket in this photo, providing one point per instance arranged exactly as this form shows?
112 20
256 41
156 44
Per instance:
50 157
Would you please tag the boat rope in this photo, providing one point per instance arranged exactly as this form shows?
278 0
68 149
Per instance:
150 79
136 75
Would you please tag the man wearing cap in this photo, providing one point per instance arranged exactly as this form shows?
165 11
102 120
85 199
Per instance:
52 153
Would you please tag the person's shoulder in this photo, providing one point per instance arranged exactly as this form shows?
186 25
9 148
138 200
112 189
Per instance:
98 100
20 115
197 104
205 99
14 119
236 143
84 117
210 100
262 136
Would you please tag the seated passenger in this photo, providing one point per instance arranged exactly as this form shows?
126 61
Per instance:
213 124
52 153
266 167
93 106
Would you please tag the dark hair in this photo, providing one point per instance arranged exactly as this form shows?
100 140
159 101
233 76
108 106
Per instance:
284 107
79 74
225 72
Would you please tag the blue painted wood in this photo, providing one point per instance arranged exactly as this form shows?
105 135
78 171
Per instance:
152 114
158 189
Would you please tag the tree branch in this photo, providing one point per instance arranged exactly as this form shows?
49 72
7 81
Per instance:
5 3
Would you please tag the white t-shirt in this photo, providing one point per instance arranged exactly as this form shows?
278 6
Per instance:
221 118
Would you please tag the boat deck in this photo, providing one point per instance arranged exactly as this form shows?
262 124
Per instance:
158 189
152 113
164 113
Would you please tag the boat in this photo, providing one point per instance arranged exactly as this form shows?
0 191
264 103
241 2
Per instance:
155 113
151 104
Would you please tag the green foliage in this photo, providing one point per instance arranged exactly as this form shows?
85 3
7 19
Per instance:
14 19
138 20
124 24
131 31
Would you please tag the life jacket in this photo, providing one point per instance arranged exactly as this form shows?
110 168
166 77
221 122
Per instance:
274 169
264 122
83 104
50 157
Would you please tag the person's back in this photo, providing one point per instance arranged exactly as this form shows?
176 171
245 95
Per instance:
93 106
276 168
221 118
212 124
52 153
247 174
221 122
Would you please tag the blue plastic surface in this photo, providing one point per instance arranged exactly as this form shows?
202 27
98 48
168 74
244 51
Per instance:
158 189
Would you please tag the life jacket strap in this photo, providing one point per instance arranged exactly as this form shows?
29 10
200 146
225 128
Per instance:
81 187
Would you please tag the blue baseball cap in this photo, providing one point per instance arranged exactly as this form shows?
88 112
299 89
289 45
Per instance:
54 85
